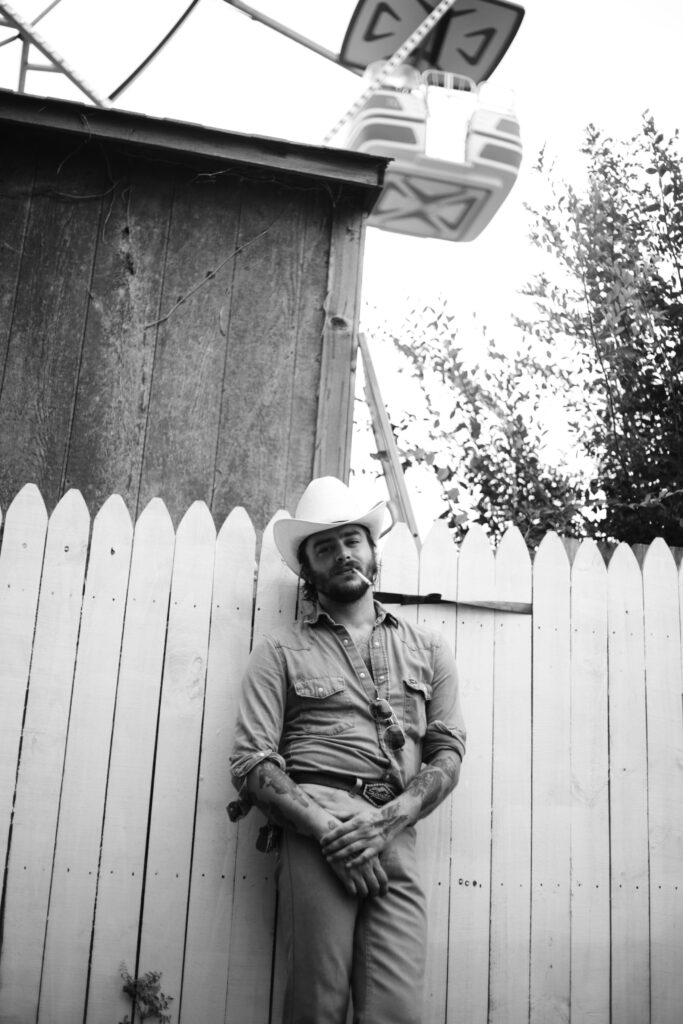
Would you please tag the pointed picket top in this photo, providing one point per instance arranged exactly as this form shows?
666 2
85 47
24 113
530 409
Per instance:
550 553
238 523
154 514
439 562
658 559
27 503
399 561
24 536
276 587
513 567
588 560
476 566
623 560
70 504
113 515
197 520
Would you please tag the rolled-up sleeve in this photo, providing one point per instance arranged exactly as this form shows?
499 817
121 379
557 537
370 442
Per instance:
260 713
445 723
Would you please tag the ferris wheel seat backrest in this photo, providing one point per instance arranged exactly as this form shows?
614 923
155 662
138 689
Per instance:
455 154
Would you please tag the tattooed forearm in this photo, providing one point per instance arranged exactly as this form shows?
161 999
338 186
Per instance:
286 804
393 820
435 782
280 784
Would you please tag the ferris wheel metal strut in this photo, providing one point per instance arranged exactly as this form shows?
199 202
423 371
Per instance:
404 50
30 37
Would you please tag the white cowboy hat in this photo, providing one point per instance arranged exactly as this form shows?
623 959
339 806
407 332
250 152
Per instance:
326 502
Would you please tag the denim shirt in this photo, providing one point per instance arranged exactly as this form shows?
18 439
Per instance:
306 694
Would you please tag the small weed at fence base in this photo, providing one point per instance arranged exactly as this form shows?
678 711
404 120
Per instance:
149 1002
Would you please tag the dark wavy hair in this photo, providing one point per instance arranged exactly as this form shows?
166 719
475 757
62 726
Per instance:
308 591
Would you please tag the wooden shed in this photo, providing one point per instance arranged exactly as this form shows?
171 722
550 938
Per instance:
178 308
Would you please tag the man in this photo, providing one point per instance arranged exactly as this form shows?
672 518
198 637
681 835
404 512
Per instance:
349 731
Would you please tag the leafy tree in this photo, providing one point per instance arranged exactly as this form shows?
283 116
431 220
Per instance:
604 344
618 244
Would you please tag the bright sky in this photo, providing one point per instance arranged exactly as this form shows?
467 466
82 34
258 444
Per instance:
600 61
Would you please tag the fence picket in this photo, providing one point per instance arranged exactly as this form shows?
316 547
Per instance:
42 755
628 790
665 781
249 993
470 871
131 767
79 831
511 841
551 787
167 875
438 573
590 890
21 563
208 947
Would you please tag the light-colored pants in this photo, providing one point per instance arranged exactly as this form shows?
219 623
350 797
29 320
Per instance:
336 942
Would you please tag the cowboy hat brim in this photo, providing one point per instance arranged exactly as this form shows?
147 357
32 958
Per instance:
289 534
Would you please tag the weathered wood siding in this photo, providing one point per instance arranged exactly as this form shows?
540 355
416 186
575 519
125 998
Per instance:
175 321
554 873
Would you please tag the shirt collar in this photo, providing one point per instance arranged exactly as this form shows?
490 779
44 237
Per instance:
317 613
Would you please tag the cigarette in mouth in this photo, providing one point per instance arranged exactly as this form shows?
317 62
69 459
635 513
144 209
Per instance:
364 578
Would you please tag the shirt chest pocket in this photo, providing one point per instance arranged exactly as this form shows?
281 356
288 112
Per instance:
416 696
320 705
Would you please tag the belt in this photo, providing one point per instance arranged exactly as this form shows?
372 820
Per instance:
375 791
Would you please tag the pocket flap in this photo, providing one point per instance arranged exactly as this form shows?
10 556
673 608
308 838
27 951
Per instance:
319 687
425 689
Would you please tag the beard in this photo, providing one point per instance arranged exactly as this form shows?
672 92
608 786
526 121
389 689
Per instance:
344 587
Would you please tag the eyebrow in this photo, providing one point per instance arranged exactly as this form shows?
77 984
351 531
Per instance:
349 531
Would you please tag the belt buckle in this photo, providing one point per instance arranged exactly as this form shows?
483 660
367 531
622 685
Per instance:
378 793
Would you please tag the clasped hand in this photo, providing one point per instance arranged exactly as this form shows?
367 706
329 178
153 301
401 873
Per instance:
357 839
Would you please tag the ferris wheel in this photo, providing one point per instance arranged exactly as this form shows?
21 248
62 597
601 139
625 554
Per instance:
452 139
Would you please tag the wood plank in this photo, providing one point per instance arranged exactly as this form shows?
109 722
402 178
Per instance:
470 891
511 798
209 939
189 364
664 689
116 371
438 570
551 787
21 564
340 344
590 890
628 790
79 832
129 785
271 370
39 385
167 875
253 917
40 770
16 185
399 569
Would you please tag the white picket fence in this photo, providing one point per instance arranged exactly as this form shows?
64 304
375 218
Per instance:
554 873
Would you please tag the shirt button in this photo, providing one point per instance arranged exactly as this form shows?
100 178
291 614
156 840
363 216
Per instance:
362 675
382 678
320 690
346 640
376 643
